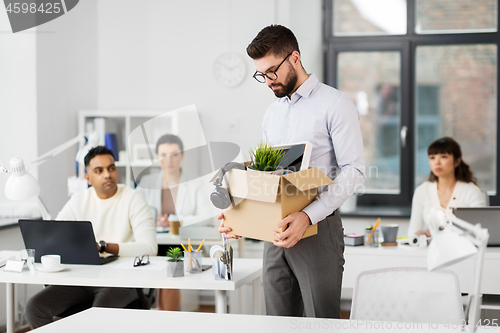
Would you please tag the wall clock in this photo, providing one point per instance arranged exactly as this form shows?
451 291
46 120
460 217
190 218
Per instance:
229 69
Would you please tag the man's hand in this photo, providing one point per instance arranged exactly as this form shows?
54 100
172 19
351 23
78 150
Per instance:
297 225
224 230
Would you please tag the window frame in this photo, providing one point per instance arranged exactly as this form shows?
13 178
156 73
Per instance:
407 45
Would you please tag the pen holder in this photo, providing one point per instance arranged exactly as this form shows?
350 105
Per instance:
372 238
192 262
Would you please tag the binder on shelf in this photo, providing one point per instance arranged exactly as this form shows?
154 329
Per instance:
100 128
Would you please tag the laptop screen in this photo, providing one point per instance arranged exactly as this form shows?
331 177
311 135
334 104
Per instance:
74 241
489 217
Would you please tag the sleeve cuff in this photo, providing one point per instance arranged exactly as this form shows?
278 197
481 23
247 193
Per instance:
316 212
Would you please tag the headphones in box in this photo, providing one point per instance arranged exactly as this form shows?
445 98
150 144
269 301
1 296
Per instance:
220 197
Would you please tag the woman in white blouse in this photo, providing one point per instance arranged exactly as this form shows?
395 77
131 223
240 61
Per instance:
451 184
172 193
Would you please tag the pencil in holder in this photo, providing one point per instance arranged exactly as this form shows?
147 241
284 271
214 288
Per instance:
372 238
192 261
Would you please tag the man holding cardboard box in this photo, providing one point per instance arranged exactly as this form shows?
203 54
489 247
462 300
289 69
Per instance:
304 275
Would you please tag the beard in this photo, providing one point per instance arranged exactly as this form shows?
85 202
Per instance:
289 85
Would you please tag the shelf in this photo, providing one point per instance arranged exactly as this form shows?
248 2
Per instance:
136 129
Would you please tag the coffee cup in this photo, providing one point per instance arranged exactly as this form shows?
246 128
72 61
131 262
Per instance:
174 224
51 261
174 227
390 233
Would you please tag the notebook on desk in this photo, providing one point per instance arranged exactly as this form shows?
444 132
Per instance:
74 241
489 217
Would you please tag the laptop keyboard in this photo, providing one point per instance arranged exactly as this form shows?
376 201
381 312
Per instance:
105 260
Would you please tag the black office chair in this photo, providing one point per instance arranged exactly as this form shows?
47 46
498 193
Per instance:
144 302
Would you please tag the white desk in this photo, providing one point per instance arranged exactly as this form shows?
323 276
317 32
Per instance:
133 321
360 258
245 271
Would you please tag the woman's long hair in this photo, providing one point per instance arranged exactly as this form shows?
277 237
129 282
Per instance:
447 145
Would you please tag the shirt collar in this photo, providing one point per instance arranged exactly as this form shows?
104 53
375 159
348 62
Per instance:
307 87
304 90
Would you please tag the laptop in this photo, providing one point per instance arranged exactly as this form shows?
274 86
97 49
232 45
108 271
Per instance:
489 217
296 157
74 241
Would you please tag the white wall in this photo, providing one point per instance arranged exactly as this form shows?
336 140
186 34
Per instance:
66 82
155 54
161 56
18 109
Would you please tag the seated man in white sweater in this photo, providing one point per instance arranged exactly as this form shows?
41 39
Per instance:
123 223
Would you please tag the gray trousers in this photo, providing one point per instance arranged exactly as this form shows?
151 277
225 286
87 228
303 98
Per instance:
306 278
54 300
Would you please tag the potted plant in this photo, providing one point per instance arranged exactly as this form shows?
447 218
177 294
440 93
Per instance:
175 265
265 157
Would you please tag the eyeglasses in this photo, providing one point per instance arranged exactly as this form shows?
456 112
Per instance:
142 261
271 75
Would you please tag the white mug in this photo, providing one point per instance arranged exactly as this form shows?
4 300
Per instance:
51 261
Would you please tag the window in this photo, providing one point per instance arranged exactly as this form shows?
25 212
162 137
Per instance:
417 70
455 16
377 98
461 104
368 17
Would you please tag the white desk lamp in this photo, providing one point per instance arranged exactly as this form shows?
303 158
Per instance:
454 240
21 185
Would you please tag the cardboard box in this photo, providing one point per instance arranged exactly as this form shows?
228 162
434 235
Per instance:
261 200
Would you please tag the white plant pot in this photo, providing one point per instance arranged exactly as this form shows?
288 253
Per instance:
253 170
175 269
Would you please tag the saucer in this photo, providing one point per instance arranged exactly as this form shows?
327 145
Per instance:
50 270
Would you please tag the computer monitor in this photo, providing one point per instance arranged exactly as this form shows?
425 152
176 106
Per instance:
489 217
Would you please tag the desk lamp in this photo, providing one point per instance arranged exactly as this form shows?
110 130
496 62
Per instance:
21 185
454 240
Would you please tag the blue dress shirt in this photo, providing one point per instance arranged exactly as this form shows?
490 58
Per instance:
329 120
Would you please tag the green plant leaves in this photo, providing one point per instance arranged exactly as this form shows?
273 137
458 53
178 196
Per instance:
266 157
175 254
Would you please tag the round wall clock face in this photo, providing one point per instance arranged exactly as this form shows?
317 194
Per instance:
229 69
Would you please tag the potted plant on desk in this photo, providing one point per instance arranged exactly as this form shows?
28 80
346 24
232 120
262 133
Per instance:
265 158
175 265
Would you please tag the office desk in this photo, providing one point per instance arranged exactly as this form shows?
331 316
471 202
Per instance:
360 258
245 271
132 321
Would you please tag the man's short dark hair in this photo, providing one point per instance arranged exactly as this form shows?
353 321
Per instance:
274 39
99 150
171 139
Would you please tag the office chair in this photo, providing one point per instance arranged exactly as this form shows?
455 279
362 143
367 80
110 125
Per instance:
407 294
486 197
143 302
